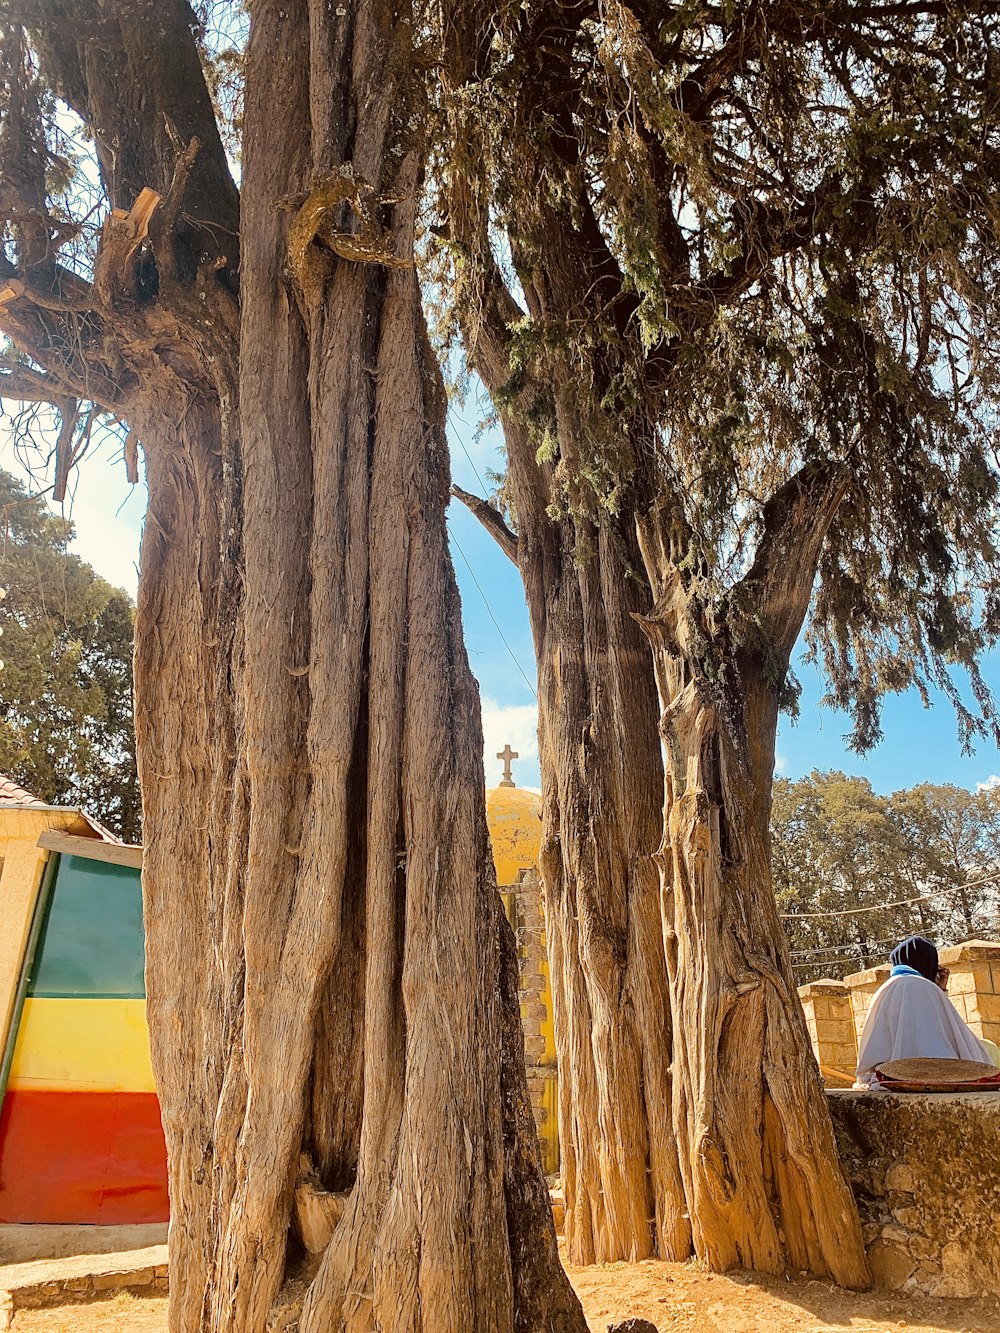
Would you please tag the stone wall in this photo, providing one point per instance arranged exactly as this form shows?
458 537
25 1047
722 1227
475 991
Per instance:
861 987
827 1006
974 985
525 909
925 1170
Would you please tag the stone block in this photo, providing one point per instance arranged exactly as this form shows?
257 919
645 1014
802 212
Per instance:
970 951
77 1287
845 1058
890 1264
825 986
834 1031
870 979
970 978
900 1176
986 1008
136 1279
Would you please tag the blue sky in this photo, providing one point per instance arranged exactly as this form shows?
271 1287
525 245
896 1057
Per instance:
920 744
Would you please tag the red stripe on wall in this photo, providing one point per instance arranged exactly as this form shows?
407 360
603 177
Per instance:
91 1157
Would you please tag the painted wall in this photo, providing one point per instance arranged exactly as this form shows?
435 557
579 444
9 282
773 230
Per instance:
21 865
80 1132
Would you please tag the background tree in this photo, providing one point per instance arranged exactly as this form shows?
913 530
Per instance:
855 872
66 726
329 971
951 837
838 859
725 271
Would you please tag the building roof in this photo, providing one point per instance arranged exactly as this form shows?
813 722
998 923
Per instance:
14 797
514 815
12 794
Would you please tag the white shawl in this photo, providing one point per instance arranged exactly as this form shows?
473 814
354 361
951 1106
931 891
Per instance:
912 1017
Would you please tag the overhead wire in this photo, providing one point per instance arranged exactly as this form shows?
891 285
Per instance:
489 609
885 907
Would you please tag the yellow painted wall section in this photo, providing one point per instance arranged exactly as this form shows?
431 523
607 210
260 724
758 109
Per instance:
549 1139
515 819
82 1046
23 863
548 1022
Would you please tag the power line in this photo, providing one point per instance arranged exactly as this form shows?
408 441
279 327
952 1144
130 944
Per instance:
489 609
465 451
839 948
884 907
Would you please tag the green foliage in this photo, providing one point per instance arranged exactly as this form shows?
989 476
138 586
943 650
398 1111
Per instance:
755 238
66 730
836 846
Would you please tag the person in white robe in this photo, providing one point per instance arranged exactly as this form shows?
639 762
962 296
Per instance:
911 1016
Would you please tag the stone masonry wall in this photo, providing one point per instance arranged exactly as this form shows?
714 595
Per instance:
974 985
827 1006
925 1170
526 912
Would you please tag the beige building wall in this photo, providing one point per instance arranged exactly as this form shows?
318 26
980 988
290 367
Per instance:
525 909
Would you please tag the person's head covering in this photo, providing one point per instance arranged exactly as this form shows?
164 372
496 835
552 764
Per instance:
918 953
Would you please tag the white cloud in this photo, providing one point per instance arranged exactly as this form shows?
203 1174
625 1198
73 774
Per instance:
516 725
991 783
780 762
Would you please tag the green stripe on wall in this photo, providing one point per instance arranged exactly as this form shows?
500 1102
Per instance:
92 939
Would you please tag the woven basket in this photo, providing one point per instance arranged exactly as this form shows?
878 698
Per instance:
929 1075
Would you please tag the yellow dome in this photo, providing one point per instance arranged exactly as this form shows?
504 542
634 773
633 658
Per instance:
515 819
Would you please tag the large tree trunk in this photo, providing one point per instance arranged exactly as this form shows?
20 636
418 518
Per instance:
600 759
329 967
602 779
753 1130
602 782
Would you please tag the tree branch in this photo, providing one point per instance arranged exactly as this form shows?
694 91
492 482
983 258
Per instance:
777 589
143 93
491 519
25 385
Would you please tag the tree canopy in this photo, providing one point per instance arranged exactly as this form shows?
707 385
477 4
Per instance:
711 251
855 872
66 726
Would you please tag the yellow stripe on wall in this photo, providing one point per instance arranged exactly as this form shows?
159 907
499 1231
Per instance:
82 1046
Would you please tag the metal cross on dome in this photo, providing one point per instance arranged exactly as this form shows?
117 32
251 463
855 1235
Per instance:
507 754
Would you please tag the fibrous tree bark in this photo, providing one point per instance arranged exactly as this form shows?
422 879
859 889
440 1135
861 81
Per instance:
756 1144
330 975
601 781
600 758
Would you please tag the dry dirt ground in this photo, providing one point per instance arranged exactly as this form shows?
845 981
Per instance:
672 1296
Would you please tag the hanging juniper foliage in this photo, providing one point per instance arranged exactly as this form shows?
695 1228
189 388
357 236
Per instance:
713 244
